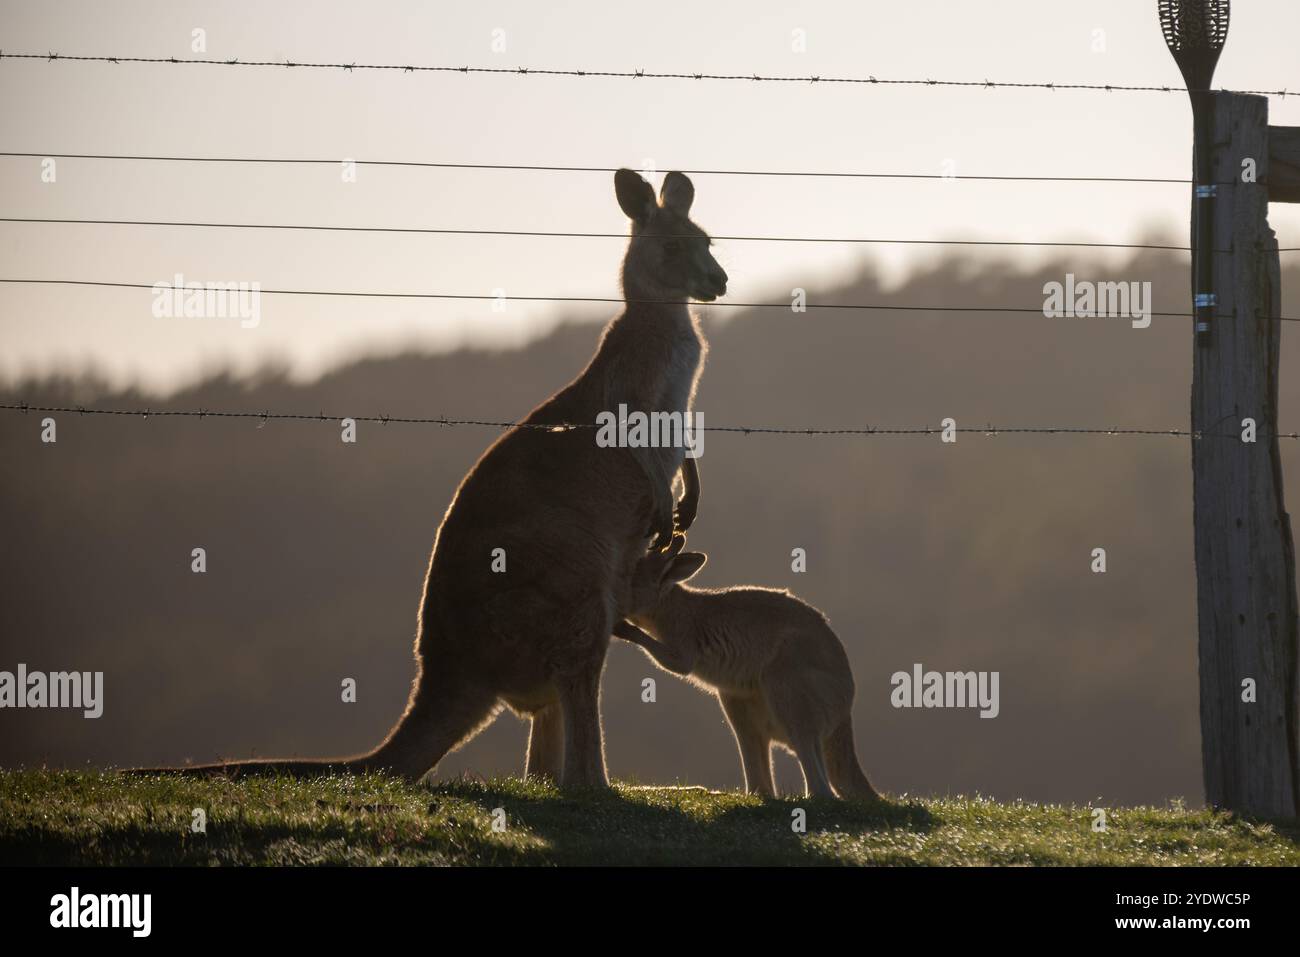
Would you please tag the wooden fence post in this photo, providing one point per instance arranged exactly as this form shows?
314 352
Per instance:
1245 557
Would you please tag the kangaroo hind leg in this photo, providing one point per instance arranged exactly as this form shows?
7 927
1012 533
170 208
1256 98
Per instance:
584 751
546 744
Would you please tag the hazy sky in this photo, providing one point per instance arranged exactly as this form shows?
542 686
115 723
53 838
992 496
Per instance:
217 111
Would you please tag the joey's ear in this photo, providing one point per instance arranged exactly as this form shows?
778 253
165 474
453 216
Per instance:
684 566
635 196
677 194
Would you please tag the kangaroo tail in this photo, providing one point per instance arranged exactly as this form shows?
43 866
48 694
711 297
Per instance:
440 716
842 764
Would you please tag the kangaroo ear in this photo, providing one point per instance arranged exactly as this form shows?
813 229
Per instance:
677 194
684 566
635 196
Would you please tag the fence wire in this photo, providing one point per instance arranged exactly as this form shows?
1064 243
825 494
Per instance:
633 74
267 415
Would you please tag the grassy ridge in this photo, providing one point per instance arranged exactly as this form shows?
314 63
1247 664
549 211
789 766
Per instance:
102 818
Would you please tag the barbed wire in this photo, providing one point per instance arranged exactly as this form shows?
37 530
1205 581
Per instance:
883 307
532 167
634 74
267 415
562 234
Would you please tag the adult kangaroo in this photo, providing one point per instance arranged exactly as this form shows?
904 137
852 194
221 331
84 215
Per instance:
571 520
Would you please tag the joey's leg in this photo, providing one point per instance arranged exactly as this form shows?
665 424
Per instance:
666 656
793 706
745 717
808 748
546 744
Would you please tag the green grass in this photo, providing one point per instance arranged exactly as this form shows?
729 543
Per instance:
103 818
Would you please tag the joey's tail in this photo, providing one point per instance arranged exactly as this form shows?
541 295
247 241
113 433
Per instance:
842 764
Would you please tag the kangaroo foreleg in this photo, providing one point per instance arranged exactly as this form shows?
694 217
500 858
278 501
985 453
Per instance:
689 506
666 656
661 495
